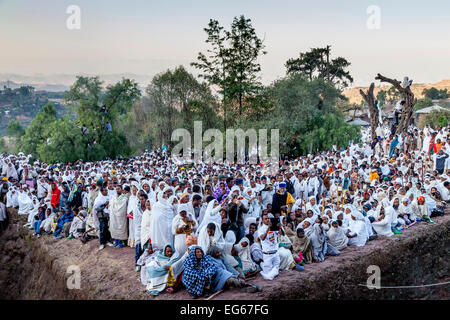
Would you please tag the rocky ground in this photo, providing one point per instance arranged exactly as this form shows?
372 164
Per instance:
34 268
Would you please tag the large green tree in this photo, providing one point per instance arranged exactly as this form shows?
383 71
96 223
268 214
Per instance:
317 64
231 65
303 127
94 108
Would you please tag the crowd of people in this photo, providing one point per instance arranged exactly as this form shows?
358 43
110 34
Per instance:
208 227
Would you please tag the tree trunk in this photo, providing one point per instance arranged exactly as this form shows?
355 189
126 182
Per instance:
410 101
373 110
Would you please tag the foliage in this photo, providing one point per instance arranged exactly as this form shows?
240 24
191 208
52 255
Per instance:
435 94
382 97
423 103
15 129
316 64
302 125
231 64
437 118
35 134
175 99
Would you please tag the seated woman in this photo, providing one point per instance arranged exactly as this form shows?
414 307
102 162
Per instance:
248 266
210 235
284 250
198 272
382 225
225 276
318 239
337 237
158 269
302 247
357 233
78 226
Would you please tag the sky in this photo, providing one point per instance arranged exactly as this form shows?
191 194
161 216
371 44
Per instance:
146 37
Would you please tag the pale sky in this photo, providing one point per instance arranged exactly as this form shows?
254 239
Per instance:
148 36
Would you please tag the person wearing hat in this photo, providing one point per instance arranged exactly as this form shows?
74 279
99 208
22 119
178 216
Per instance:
282 200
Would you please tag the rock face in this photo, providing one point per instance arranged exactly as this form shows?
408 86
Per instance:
37 269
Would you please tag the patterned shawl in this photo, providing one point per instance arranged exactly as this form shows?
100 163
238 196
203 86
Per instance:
197 275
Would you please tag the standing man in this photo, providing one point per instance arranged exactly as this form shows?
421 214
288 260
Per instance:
55 197
101 207
118 217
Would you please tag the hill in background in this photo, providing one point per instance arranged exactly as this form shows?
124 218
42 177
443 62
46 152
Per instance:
355 97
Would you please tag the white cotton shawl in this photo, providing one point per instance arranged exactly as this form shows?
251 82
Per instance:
118 217
161 222
145 226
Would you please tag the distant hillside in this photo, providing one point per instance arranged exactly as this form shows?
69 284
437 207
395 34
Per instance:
62 82
355 97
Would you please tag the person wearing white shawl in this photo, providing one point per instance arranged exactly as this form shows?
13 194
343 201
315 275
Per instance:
118 216
249 267
357 233
33 212
251 202
337 237
145 225
131 206
11 172
382 224
183 225
284 245
212 214
311 205
210 235
78 222
25 202
230 240
161 221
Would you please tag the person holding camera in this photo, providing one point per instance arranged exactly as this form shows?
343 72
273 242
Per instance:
267 235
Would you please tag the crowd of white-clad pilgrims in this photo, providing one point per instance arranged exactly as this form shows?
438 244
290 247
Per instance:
208 227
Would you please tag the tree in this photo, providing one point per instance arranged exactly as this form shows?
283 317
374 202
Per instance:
15 129
437 118
173 99
410 101
35 133
382 97
93 108
423 103
435 94
316 64
303 126
231 63
373 109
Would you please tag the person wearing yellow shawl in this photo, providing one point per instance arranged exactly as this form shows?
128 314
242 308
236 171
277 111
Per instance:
282 201
373 175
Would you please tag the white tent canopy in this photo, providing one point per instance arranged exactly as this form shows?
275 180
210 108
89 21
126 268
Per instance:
430 109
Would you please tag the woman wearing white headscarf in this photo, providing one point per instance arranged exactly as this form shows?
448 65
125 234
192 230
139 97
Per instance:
183 225
382 223
337 237
313 207
249 267
145 224
357 233
214 237
212 214
252 203
230 240
25 203
161 222
133 201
